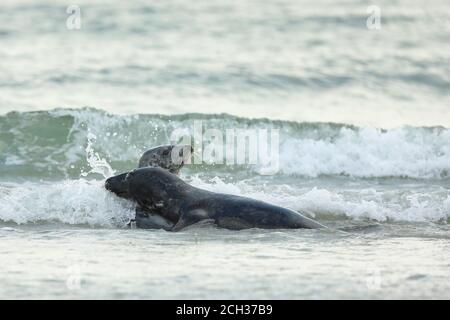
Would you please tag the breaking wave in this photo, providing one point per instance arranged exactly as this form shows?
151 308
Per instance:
53 144
83 202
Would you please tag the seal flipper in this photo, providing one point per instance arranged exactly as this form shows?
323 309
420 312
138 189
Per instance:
304 222
190 217
147 219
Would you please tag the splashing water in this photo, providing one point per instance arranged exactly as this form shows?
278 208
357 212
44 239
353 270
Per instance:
333 170
98 164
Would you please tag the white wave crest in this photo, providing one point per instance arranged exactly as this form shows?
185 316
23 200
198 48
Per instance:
87 202
368 203
70 202
306 149
368 152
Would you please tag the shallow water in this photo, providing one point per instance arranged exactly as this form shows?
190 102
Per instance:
379 262
72 243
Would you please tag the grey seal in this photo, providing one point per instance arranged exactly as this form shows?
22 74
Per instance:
159 192
169 157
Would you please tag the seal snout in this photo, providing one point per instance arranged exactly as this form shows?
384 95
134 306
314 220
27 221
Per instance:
118 185
108 184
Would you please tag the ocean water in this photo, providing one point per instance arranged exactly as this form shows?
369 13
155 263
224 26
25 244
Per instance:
364 146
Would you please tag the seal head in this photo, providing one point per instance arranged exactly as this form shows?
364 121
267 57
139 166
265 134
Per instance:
169 157
118 185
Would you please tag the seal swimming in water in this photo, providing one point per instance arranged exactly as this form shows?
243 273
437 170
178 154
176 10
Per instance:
159 192
169 157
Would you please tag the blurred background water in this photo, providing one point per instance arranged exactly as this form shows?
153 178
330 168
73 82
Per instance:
283 59
364 125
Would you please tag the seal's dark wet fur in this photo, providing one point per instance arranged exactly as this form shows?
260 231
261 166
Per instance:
158 191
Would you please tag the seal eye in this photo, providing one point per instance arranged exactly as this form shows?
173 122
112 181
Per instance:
129 175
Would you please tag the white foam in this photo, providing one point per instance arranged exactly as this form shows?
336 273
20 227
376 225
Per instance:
71 202
379 205
369 152
87 202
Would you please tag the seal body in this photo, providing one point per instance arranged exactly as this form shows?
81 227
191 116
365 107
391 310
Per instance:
147 219
158 191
